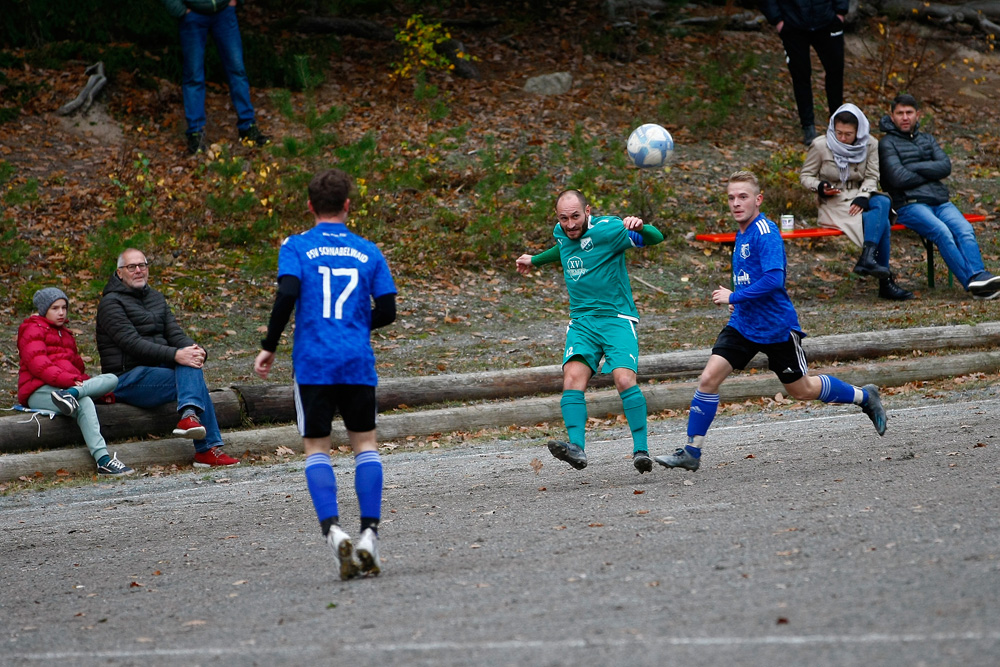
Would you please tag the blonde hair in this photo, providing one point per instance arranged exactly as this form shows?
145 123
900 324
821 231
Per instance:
746 176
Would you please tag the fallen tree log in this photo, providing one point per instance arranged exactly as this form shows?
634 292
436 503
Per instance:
262 404
340 26
23 432
274 403
523 412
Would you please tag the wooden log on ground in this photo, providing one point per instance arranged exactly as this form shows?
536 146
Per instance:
274 403
20 433
523 412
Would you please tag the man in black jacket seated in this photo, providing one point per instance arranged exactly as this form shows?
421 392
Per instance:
155 361
911 167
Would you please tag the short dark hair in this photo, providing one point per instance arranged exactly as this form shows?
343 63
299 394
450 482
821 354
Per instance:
328 191
847 118
906 100
580 197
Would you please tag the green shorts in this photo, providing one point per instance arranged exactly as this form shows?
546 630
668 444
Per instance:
616 339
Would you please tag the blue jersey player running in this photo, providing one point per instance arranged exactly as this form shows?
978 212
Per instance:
330 277
604 320
762 320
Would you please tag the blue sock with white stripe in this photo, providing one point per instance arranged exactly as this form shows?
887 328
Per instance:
703 409
837 391
368 485
322 486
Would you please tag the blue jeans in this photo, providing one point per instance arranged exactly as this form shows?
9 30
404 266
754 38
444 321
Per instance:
945 225
876 225
194 29
149 387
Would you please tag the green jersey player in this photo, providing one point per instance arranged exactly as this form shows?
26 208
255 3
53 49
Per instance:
603 318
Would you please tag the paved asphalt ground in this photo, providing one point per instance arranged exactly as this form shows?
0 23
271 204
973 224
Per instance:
805 539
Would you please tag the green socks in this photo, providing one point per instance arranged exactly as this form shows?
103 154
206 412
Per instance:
574 413
634 404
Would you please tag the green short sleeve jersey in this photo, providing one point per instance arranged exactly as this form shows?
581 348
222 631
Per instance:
594 268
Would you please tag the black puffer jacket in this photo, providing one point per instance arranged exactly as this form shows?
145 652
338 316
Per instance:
911 166
804 14
136 328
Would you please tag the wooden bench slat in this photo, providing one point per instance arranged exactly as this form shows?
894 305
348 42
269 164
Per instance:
818 232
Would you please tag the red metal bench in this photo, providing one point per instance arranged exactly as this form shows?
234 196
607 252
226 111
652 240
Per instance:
817 232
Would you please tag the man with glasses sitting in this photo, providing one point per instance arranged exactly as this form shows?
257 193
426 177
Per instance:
155 361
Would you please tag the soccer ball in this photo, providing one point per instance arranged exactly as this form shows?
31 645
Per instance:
649 145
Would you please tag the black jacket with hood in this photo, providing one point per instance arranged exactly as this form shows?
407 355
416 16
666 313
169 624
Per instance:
136 328
911 166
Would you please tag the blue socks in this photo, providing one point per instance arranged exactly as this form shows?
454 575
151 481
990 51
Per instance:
322 486
634 404
703 409
838 391
574 414
368 486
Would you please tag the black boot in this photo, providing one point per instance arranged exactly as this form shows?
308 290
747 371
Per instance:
888 289
867 266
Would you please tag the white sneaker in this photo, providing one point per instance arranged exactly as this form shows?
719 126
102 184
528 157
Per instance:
343 552
368 553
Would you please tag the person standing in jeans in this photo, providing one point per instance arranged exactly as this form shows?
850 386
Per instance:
196 19
819 24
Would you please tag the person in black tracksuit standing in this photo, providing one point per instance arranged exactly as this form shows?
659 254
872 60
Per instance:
816 23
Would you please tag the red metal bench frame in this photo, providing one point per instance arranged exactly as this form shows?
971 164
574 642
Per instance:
817 232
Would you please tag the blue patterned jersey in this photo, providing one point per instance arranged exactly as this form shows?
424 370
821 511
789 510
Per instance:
768 318
339 274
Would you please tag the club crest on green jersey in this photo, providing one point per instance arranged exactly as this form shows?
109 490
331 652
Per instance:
586 243
575 268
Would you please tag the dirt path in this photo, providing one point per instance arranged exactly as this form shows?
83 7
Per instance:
804 539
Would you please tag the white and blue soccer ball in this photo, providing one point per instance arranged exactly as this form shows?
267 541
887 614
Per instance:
649 145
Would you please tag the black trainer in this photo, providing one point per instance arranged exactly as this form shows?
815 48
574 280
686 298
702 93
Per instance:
197 143
873 408
641 461
808 134
254 136
568 452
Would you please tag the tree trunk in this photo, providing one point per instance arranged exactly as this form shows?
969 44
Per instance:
352 27
524 412
21 432
261 404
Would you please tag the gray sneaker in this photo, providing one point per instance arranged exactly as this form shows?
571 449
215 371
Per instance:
642 462
873 408
343 552
568 452
367 551
680 459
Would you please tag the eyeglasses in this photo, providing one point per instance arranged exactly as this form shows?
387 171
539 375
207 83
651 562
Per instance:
132 268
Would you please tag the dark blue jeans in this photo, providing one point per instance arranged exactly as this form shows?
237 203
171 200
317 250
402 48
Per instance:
876 224
194 29
945 225
149 387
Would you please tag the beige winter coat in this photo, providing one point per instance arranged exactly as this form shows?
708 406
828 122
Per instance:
862 181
